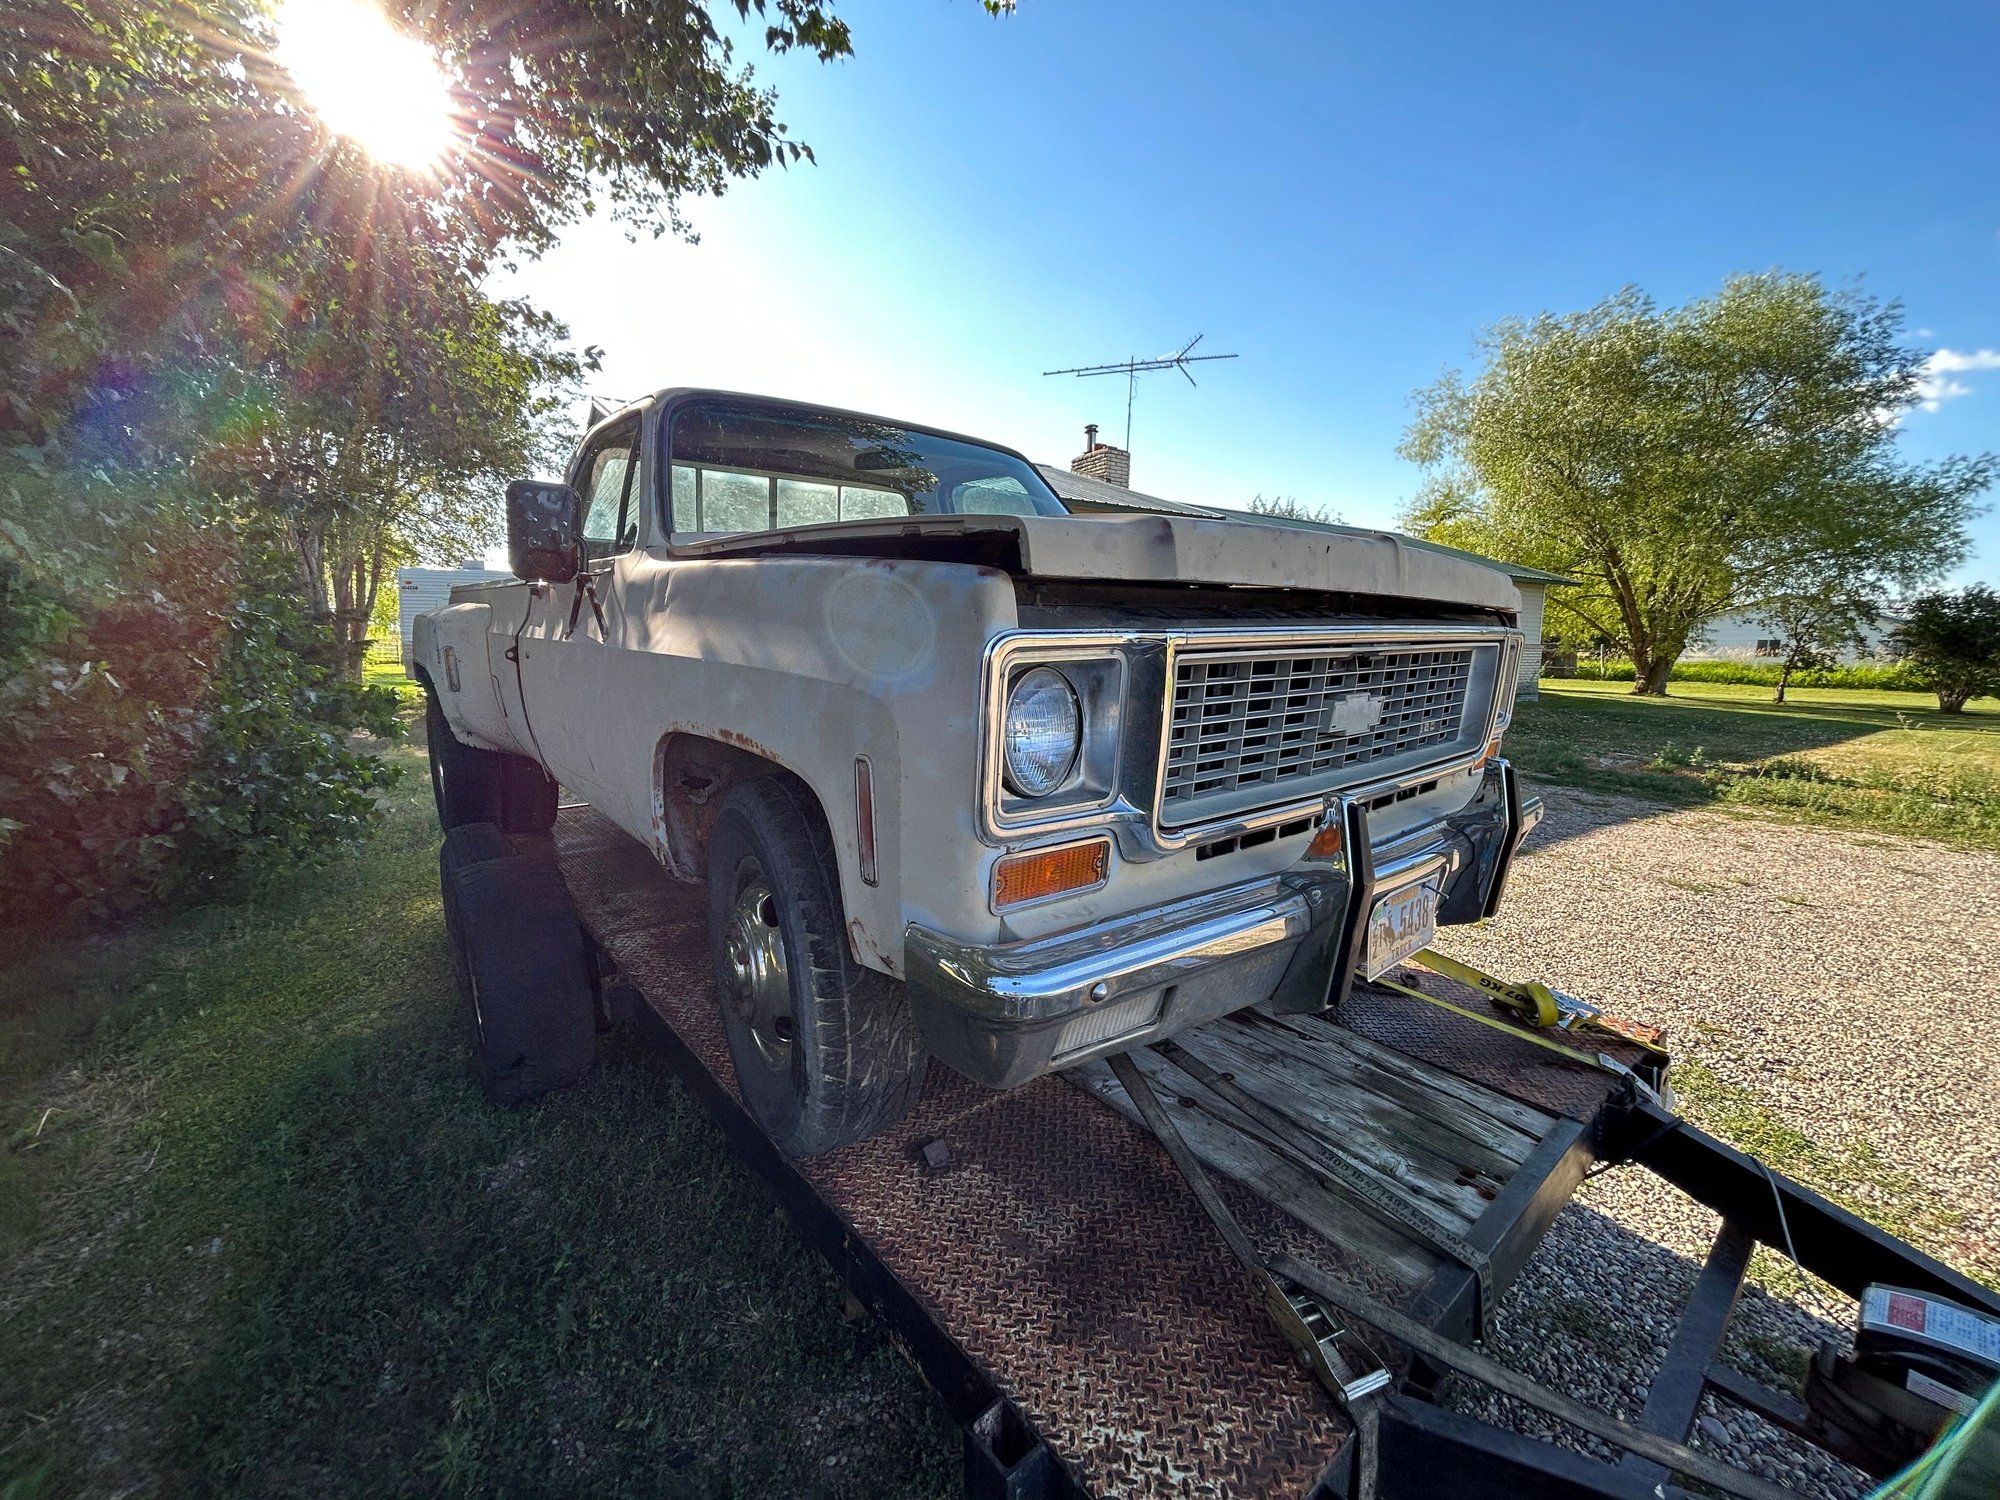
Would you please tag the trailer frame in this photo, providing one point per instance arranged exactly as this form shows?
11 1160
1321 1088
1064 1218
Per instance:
1425 1448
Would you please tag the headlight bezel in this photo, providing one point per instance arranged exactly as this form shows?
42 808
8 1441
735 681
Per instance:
1097 671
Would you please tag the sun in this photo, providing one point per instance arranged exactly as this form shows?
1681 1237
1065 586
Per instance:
366 80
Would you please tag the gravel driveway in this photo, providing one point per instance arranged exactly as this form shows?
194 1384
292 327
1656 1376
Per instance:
1832 997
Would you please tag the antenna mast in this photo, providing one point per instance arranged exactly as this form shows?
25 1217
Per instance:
1133 368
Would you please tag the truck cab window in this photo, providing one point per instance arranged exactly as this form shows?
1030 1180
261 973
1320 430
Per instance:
607 476
745 466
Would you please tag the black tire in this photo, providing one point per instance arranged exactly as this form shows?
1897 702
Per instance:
471 844
845 1062
523 975
471 785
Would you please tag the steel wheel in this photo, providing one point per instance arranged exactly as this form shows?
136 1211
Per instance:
760 984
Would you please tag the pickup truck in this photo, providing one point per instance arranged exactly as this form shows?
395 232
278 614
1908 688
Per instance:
967 777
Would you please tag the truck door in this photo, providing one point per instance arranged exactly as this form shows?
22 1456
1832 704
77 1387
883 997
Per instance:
564 651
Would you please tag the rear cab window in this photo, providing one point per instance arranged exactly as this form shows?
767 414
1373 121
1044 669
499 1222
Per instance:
742 466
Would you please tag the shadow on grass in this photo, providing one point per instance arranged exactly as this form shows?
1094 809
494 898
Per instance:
586 1298
270 1239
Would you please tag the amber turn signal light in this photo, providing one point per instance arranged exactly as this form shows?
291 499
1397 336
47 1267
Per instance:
1327 842
1042 873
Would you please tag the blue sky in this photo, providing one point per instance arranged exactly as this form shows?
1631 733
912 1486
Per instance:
1342 195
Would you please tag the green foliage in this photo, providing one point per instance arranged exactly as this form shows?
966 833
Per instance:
1818 613
1688 462
278 785
101 718
222 326
1291 508
1952 642
189 737
1886 676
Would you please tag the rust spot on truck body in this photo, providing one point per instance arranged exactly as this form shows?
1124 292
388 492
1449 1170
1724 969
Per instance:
865 950
743 742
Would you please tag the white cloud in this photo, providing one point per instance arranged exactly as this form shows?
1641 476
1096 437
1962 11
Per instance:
1936 385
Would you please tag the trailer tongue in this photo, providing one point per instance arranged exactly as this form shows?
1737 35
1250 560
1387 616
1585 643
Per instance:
1073 1282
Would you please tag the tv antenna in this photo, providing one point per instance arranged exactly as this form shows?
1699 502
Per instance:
1133 368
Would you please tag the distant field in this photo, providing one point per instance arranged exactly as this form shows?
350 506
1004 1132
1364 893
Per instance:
1879 761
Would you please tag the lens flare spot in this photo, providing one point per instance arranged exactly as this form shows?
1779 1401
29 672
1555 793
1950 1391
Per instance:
366 80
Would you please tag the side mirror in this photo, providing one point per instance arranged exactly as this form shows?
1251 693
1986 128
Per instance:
544 530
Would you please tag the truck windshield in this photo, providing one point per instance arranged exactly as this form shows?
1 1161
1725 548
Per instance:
743 466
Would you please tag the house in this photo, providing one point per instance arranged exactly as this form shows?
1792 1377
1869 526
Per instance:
419 589
1742 636
1099 479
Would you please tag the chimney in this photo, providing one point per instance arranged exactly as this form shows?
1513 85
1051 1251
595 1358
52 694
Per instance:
1102 462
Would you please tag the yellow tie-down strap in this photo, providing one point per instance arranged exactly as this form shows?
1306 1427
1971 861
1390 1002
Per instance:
1656 1089
1538 1005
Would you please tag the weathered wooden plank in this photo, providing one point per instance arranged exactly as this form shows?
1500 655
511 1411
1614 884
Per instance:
1319 1033
1331 1064
1334 1217
1357 1110
1409 1157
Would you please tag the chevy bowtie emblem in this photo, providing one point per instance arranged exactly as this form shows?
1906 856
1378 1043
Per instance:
1357 713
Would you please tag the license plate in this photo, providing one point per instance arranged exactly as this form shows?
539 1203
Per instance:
1403 923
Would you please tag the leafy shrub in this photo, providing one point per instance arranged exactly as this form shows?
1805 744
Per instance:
278 784
1671 757
183 735
1953 643
101 716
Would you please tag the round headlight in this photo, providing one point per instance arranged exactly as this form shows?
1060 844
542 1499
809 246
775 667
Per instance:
1043 729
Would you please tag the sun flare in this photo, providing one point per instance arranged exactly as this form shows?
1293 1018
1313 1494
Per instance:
366 80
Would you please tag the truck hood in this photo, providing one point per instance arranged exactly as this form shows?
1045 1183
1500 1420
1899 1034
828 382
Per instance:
1164 549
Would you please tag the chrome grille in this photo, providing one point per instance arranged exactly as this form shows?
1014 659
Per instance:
1249 729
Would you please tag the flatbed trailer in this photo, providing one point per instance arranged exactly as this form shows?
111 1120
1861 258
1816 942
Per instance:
1050 1272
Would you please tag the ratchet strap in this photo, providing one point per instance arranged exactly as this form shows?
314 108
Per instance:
1305 1323
1539 1005
1601 1060
1283 1138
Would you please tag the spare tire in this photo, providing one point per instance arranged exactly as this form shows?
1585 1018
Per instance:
523 974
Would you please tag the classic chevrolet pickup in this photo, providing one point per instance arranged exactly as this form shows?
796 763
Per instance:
969 777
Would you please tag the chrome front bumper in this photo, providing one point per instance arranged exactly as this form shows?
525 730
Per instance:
1006 1013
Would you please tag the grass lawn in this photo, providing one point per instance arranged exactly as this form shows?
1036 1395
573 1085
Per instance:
1871 761
259 1235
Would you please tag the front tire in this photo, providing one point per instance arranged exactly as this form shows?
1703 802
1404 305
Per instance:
826 1051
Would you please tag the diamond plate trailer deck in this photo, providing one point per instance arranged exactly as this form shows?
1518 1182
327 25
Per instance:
1046 1268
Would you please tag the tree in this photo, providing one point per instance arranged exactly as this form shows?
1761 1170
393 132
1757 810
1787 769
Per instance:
1291 508
1685 463
222 326
1953 642
1816 620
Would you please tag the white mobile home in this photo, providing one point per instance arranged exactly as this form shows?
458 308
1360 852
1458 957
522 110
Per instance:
419 589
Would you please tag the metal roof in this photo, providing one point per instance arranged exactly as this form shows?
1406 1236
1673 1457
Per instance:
1087 491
